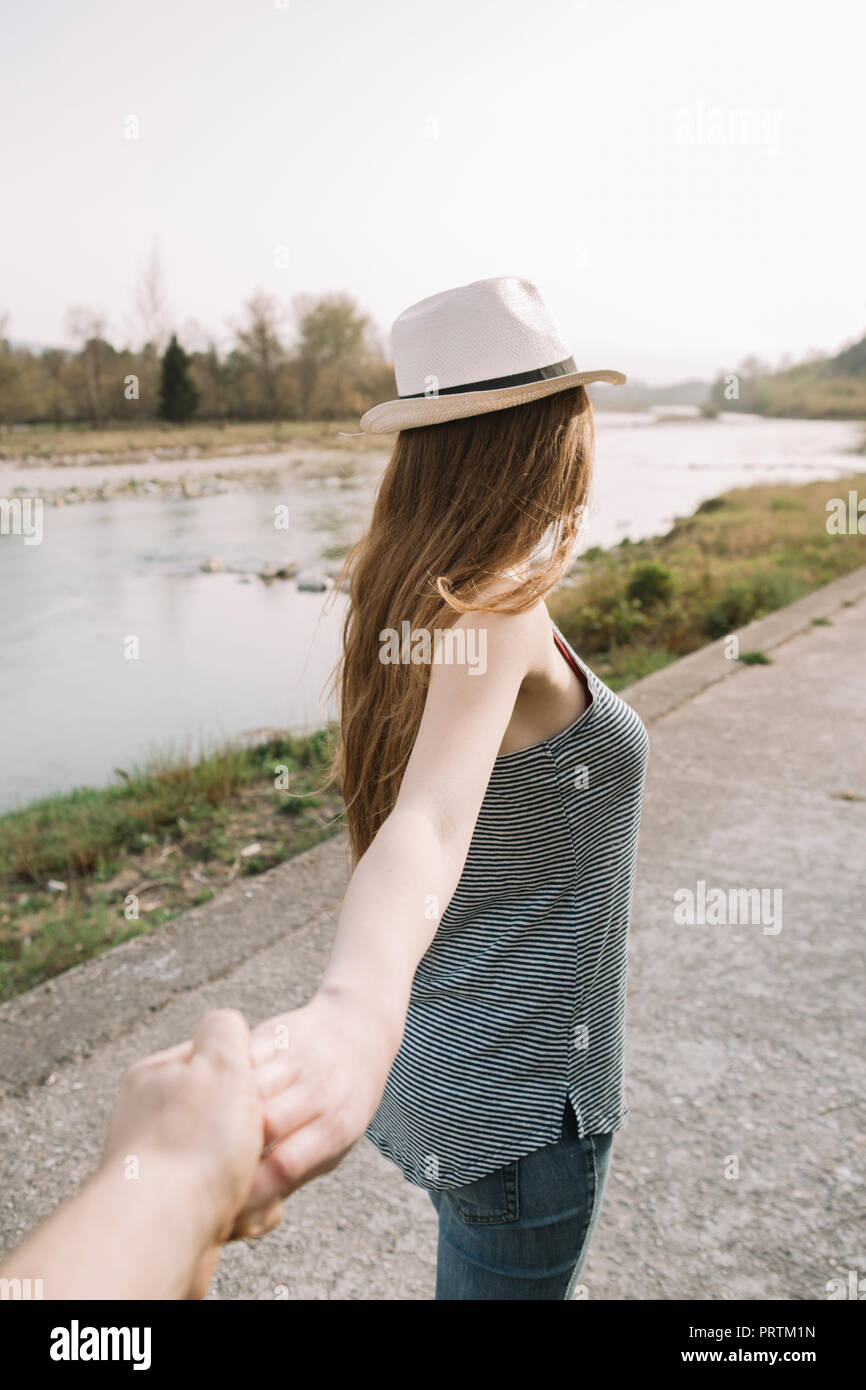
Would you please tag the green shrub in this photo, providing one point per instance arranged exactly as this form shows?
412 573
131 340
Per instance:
734 607
616 625
744 600
650 583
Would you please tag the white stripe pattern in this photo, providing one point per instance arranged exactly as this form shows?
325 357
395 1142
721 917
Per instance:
520 1000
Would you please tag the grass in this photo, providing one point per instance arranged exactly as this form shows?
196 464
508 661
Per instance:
165 837
208 438
638 607
158 840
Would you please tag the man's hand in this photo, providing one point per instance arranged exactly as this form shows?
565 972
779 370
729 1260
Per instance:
321 1071
195 1107
181 1152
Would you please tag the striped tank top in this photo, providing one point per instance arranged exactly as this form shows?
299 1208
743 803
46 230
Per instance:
519 1002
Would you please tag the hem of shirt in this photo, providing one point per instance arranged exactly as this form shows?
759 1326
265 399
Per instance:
608 1125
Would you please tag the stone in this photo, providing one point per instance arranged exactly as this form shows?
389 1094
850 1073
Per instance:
311 583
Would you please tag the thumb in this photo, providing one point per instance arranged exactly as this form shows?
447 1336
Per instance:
223 1037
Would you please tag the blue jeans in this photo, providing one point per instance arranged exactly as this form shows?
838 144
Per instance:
523 1231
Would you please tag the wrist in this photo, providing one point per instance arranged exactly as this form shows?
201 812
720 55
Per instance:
163 1186
385 1021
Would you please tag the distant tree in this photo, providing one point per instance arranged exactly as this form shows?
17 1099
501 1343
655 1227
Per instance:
56 403
178 393
261 355
151 303
335 367
146 365
87 328
210 376
333 348
20 385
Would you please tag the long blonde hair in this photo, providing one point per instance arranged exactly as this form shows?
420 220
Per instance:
458 505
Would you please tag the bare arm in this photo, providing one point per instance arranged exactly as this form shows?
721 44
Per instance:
388 917
322 1068
119 1239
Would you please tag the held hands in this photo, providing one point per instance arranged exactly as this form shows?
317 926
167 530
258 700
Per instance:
215 1132
193 1119
321 1070
195 1107
230 1123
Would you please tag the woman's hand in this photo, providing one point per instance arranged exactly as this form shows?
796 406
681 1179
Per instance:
321 1071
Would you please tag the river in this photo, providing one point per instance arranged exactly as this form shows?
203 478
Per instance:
226 653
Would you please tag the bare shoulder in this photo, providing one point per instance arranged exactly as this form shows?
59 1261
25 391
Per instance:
510 638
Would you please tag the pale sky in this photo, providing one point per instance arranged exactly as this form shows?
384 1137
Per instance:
602 148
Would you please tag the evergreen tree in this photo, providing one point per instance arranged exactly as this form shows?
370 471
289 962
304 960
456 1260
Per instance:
178 393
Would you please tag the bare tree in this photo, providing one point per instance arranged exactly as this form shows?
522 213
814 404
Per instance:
151 303
87 329
259 340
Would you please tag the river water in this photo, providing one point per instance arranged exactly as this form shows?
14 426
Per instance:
223 654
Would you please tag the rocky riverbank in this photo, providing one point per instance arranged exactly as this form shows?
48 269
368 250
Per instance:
171 485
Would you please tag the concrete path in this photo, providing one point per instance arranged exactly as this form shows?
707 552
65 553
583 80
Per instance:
746 1043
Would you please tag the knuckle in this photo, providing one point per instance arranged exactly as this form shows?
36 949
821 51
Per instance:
284 1169
340 1131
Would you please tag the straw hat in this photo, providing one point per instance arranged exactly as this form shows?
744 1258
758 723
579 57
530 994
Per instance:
480 347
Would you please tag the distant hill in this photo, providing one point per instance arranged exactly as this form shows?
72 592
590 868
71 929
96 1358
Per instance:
637 395
25 345
822 388
852 360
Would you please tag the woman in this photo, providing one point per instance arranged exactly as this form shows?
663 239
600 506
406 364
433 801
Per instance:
470 1019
